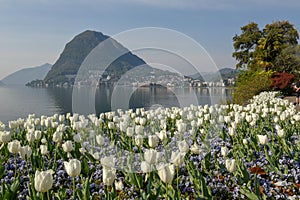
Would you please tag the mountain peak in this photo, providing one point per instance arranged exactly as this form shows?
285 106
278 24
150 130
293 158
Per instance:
74 53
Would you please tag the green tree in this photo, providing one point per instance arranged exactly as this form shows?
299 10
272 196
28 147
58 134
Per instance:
261 53
276 37
245 45
289 60
257 49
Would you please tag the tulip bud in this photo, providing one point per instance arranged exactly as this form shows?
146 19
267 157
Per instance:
5 136
150 156
68 146
30 136
139 140
57 137
44 149
139 129
14 146
152 141
145 167
43 181
195 149
108 161
73 167
177 158
183 146
25 152
280 132
130 131
224 151
119 185
100 140
230 165
181 127
262 139
37 135
166 173
109 175
161 135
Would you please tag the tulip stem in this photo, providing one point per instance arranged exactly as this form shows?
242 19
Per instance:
167 191
74 187
15 166
48 196
177 177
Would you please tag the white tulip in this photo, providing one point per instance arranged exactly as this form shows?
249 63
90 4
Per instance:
73 167
111 125
230 165
37 134
57 137
177 158
100 140
30 136
130 131
262 139
119 185
44 149
43 181
181 127
108 162
68 146
25 152
183 146
5 136
109 175
280 133
162 135
139 129
139 140
195 149
166 172
152 141
14 146
150 156
224 151
145 167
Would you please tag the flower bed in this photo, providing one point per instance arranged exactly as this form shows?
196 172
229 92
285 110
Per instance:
204 152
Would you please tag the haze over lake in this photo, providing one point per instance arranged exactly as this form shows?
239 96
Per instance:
19 101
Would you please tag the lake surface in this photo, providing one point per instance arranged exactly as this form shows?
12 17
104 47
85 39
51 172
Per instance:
19 101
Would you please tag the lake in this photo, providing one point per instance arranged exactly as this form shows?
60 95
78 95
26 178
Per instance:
19 101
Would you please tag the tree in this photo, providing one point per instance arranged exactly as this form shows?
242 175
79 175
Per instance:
289 61
245 44
264 53
256 49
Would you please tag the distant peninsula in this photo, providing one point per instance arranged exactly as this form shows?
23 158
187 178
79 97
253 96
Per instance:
23 76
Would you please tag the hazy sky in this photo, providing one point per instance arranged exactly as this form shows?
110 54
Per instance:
34 32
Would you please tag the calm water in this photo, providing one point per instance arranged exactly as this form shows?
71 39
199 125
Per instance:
19 101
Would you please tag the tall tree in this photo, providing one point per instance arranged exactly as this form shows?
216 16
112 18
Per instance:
256 49
276 37
245 44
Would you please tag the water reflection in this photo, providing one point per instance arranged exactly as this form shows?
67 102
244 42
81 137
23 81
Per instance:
20 101
107 98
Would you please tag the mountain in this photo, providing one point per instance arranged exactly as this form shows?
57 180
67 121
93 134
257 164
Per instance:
1 83
26 75
66 67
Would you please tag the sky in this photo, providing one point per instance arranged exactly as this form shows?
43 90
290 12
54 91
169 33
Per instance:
34 32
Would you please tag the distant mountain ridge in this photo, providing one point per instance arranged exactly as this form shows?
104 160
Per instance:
66 67
26 75
1 84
